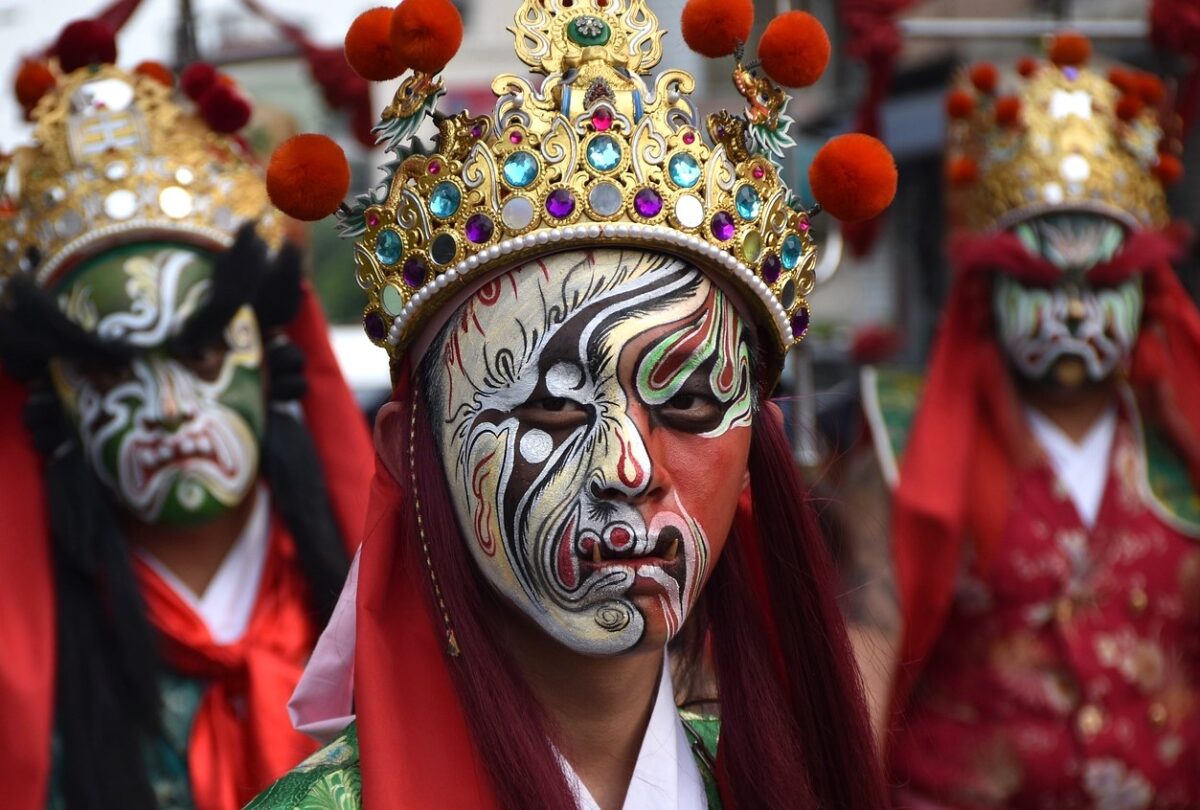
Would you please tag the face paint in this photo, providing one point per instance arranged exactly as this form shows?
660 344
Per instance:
1072 322
593 413
175 438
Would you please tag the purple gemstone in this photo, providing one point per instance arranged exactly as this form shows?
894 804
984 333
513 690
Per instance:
771 268
415 270
723 226
477 131
479 229
560 203
800 322
1071 73
376 328
648 203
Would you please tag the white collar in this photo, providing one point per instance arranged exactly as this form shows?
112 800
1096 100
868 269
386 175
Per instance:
666 776
228 602
1082 469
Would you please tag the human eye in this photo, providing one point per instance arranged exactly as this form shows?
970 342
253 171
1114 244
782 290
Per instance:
692 411
553 412
206 360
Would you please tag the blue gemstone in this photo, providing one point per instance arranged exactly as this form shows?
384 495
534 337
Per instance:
749 204
520 169
445 199
603 153
792 248
684 170
388 247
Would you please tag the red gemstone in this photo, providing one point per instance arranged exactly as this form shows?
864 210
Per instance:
434 167
372 220
759 172
804 226
515 137
689 138
602 119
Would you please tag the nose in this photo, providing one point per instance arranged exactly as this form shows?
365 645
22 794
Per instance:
629 470
168 396
1076 312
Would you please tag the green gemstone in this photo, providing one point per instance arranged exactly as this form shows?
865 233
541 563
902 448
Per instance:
392 300
588 31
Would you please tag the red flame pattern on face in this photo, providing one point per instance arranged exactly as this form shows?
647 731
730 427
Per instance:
483 507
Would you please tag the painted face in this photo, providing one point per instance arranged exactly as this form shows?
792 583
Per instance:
593 412
175 437
1073 330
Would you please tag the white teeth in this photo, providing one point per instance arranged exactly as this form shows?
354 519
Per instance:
187 447
204 445
164 452
147 456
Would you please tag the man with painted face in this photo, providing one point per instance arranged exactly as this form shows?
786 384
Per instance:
180 504
1043 520
581 377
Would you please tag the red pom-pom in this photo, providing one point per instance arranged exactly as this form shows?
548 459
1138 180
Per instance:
308 177
985 77
33 81
962 171
1130 107
1070 49
224 108
794 49
1122 79
83 43
369 48
1008 110
959 104
426 34
1168 169
853 177
1150 88
196 79
157 71
713 28
1027 66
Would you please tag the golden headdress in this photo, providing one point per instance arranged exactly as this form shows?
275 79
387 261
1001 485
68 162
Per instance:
1058 135
116 158
599 153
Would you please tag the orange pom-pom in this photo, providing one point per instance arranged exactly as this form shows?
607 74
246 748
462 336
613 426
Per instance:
1121 79
1070 49
794 49
959 104
714 28
962 171
853 177
1150 88
308 177
1168 169
157 71
369 48
1008 110
1027 66
1130 107
33 81
426 34
984 76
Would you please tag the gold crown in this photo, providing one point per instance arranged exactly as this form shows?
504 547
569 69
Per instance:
115 159
597 155
1057 138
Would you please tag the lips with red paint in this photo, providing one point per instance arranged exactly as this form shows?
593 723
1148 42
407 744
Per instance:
588 554
156 453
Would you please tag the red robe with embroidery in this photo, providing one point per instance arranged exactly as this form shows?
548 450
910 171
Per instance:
1066 674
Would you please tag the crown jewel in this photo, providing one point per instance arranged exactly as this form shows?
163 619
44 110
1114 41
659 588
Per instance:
114 157
598 153
1051 137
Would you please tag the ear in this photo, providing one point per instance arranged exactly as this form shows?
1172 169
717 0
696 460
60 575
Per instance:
392 425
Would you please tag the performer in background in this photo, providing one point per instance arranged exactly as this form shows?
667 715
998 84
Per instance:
1044 520
587 299
182 500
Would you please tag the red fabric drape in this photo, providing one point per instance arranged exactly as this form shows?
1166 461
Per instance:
241 737
26 573
957 471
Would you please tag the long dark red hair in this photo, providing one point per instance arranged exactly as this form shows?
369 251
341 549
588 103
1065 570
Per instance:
793 725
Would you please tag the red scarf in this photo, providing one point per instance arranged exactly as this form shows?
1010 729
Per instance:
242 738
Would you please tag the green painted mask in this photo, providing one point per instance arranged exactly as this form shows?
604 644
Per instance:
175 437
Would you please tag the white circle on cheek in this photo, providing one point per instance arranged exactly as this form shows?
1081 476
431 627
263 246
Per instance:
563 378
536 446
